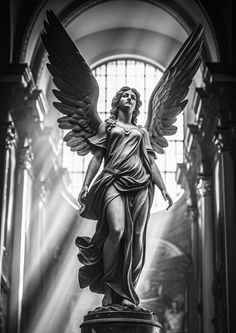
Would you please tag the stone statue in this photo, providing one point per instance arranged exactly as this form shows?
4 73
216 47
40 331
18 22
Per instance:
121 196
175 316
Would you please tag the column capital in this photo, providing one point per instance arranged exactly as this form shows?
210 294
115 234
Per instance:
204 186
26 157
37 107
225 138
214 104
192 212
205 106
8 137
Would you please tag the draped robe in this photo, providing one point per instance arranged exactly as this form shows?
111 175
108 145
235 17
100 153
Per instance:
127 168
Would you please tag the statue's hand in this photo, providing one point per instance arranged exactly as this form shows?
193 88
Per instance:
83 194
166 196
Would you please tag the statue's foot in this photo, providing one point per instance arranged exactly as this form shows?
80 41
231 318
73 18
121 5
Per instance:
107 300
126 302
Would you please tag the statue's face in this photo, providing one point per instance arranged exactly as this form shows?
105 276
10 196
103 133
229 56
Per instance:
175 305
127 101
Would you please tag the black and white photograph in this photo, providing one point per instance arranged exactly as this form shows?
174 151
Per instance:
118 166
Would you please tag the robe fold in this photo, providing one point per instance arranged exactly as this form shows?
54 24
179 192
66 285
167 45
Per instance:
127 169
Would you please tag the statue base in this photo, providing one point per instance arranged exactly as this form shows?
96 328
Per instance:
117 319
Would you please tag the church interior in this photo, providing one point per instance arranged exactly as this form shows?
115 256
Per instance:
190 269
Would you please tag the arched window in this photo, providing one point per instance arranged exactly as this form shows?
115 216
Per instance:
111 76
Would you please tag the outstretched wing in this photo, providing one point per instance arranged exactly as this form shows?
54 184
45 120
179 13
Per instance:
168 97
77 87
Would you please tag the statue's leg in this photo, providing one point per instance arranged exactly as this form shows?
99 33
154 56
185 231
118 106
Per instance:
116 223
140 215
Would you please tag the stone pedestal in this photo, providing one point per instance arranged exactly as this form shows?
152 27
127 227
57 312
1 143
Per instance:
117 321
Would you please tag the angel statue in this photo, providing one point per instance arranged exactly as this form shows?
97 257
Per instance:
120 197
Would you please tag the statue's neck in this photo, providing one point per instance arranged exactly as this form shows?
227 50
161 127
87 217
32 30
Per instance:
124 117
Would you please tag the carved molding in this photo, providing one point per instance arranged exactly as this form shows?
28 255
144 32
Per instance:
26 157
204 186
207 118
19 74
8 139
220 87
208 105
214 131
27 104
192 212
225 139
37 106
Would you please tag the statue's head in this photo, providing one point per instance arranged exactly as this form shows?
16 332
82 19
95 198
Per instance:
115 104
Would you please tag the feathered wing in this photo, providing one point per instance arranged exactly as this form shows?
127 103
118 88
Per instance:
168 97
77 87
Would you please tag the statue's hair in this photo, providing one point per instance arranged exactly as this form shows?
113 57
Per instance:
115 104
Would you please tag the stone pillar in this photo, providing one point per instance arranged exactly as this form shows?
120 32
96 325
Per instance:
225 233
24 103
194 284
22 219
214 106
15 84
8 145
8 148
187 177
207 259
35 239
220 89
200 152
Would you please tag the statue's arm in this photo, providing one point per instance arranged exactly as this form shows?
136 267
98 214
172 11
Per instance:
92 170
158 181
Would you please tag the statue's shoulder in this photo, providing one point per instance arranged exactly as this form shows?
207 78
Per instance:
110 123
142 129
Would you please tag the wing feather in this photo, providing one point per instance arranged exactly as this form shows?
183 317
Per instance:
77 89
168 97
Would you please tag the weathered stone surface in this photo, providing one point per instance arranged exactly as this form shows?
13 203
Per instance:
118 319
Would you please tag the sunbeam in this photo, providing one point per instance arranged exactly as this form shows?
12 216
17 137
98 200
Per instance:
158 226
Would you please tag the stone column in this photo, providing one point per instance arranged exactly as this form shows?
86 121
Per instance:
187 177
34 244
22 218
224 287
23 102
215 120
207 258
194 285
8 147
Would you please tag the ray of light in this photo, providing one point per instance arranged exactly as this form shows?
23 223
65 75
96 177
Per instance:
59 295
159 223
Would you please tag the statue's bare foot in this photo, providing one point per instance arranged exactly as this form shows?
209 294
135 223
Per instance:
126 302
107 300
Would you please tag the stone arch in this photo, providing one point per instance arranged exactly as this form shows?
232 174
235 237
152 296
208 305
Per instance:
165 25
105 28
